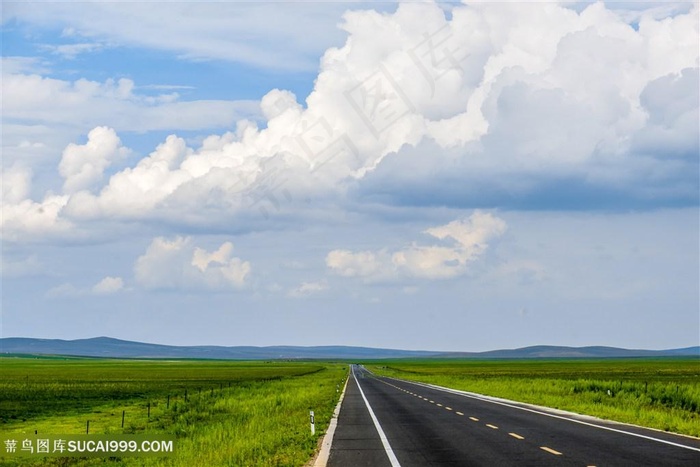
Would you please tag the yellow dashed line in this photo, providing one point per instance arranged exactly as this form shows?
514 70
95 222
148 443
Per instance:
550 450
439 405
516 436
432 402
459 413
448 408
492 426
474 419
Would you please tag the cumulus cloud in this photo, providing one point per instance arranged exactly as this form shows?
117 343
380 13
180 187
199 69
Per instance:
356 264
83 165
307 288
15 183
137 190
22 218
520 98
107 286
671 105
29 219
467 240
178 263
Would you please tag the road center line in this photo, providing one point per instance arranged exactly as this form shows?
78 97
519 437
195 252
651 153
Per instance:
385 442
474 419
568 419
492 426
550 450
516 436
459 413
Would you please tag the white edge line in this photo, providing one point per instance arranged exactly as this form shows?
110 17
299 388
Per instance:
325 452
385 442
486 399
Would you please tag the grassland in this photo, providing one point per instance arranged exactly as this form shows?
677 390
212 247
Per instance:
657 393
222 412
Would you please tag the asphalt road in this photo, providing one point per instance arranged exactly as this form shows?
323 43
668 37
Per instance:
389 422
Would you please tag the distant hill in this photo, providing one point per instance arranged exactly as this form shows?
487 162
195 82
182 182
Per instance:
109 347
116 348
549 351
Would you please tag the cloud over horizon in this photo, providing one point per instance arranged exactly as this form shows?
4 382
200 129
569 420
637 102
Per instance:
477 159
179 264
468 237
604 94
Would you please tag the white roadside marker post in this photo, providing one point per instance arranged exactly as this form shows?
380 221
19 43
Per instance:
313 425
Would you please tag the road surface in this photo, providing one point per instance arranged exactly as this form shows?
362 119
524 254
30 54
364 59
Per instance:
389 422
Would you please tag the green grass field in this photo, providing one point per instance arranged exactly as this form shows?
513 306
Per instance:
222 412
257 413
658 393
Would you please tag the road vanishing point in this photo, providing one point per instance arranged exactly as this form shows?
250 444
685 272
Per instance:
386 422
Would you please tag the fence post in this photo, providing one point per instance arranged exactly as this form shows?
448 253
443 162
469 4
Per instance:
87 428
123 413
313 424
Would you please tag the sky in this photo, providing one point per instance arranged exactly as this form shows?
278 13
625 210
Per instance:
418 175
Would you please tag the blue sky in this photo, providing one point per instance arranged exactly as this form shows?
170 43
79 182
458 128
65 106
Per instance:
416 175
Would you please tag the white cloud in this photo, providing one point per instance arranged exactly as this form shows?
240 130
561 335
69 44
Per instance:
15 183
29 220
271 35
65 290
671 105
469 239
355 264
28 266
33 99
137 191
42 116
517 92
71 51
83 165
19 65
178 263
307 288
109 285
